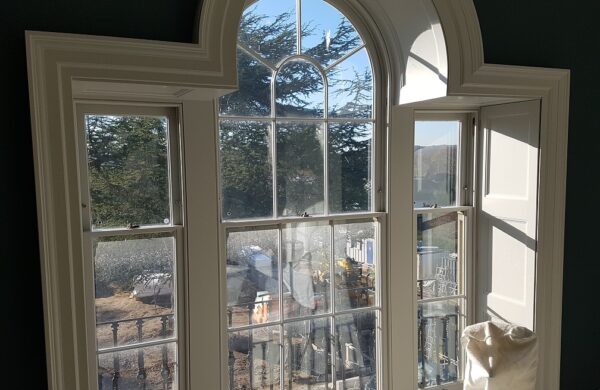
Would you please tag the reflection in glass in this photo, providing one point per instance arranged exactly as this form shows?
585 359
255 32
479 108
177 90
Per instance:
300 169
305 255
439 327
139 368
134 282
327 35
356 351
252 277
246 178
269 28
355 265
350 153
307 349
128 170
299 90
253 97
351 87
254 361
436 163
438 261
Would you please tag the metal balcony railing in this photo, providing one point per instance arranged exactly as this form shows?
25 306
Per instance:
438 349
140 344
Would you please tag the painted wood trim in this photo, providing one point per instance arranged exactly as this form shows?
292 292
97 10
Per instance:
54 59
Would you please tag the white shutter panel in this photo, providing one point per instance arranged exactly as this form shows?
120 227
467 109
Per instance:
507 212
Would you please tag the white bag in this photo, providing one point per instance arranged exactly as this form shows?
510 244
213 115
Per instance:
499 357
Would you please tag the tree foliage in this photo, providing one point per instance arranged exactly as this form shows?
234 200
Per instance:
128 170
246 175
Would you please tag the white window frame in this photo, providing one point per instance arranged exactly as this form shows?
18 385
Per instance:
377 169
465 207
63 67
174 227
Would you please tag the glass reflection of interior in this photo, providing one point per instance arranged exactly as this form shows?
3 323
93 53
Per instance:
438 260
439 327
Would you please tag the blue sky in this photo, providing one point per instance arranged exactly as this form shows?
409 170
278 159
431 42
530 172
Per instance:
428 133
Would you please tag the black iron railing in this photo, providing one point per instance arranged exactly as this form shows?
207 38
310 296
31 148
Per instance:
142 375
441 354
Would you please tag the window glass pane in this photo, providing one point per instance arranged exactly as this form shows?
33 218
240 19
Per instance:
439 328
307 349
436 163
300 169
326 34
351 87
299 90
128 170
252 277
439 265
134 279
246 176
356 351
253 98
355 265
269 28
350 162
305 256
254 361
139 368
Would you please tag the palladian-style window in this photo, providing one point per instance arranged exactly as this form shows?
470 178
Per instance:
302 233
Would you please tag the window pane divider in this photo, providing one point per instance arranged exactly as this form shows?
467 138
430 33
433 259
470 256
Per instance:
252 53
144 344
344 57
287 220
330 314
441 210
439 299
134 231
285 119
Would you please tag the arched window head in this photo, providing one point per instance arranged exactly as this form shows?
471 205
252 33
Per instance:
303 116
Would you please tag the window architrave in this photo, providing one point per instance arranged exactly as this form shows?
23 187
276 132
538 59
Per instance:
58 62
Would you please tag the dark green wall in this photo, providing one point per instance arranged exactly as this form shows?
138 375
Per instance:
564 34
549 33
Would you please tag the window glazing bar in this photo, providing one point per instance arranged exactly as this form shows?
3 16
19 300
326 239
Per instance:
133 232
304 318
289 220
136 345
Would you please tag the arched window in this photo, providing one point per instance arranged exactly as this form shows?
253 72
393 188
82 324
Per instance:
302 231
303 116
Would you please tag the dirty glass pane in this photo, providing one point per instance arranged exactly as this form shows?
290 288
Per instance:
128 170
